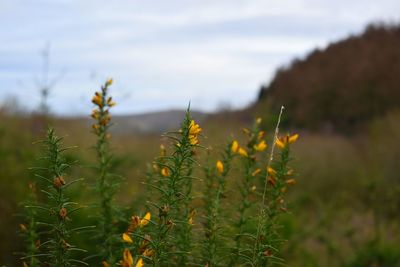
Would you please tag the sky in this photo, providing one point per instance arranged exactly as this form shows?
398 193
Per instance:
163 54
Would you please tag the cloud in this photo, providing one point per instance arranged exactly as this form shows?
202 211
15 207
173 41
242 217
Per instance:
164 53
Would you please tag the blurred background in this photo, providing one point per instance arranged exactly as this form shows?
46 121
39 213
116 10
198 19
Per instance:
334 65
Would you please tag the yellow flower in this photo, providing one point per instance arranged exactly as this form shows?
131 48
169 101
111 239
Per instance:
110 103
220 166
109 82
242 152
235 146
98 99
258 120
105 120
260 146
139 263
193 140
271 171
165 172
290 181
127 238
281 142
194 129
95 114
145 219
127 260
257 171
293 138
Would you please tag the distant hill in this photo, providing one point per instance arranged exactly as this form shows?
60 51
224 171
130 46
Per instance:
153 122
342 86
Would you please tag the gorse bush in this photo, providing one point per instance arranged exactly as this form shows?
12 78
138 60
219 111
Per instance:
200 206
49 240
107 183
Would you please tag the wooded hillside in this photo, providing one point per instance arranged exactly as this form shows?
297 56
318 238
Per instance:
342 86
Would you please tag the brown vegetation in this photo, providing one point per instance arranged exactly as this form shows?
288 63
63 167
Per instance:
343 86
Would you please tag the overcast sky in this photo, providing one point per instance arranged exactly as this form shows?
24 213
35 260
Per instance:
163 54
